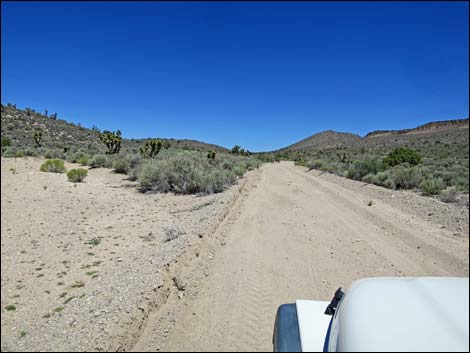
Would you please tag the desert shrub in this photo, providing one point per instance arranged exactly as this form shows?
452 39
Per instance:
448 177
389 183
239 170
76 157
382 176
431 186
100 161
55 154
218 180
406 177
83 160
226 164
29 152
134 160
121 165
316 164
185 173
449 195
53 166
13 152
462 183
370 178
301 162
402 155
19 153
252 163
8 152
77 175
359 169
265 157
134 173
6 142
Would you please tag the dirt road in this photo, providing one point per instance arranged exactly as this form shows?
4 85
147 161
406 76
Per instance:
298 234
280 234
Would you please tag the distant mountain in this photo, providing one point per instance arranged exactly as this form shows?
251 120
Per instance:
450 131
19 126
325 139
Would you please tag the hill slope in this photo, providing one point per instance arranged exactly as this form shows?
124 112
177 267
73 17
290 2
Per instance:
325 139
19 125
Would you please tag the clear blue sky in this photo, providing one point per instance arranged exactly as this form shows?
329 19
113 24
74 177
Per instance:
262 75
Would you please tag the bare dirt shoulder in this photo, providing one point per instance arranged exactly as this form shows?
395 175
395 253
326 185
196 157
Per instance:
84 264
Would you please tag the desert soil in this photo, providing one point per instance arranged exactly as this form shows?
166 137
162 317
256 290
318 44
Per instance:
282 233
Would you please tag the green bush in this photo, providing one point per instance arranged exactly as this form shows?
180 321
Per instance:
6 142
449 195
239 170
78 157
381 177
6 151
432 186
53 166
370 179
29 152
19 153
406 177
100 161
77 175
402 155
388 183
218 180
121 165
56 154
188 173
360 169
301 162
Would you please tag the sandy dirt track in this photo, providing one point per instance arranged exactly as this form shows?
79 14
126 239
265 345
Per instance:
296 234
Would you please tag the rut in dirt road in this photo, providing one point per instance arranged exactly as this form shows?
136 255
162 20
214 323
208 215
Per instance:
298 236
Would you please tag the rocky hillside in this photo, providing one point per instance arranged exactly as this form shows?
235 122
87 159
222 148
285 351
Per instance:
19 126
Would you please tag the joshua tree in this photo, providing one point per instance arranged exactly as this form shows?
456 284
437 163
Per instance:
112 140
37 136
236 149
151 148
211 154
166 144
